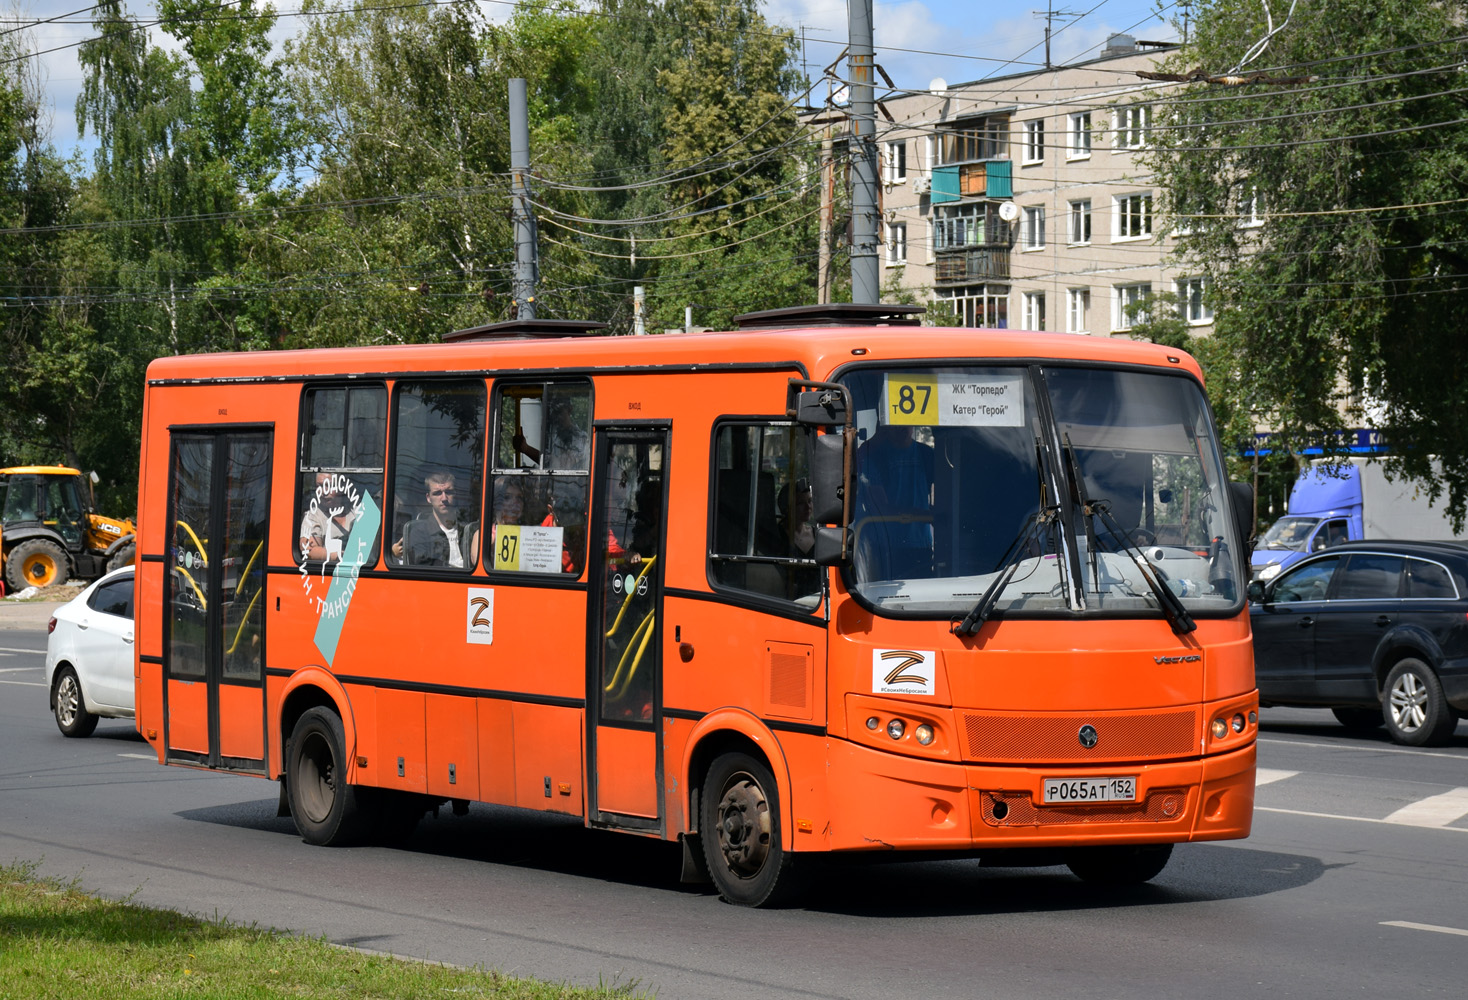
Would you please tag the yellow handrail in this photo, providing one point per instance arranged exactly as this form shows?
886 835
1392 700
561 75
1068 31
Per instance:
631 591
197 544
243 622
644 630
203 603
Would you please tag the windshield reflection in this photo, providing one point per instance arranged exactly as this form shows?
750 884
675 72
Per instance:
968 476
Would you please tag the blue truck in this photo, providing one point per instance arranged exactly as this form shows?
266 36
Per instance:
1343 502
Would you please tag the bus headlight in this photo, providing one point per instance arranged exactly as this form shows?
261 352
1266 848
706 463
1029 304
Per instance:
924 734
1220 729
896 728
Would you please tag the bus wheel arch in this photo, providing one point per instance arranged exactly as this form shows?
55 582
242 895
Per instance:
739 803
312 688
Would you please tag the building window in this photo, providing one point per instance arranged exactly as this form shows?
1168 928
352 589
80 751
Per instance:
1035 141
978 305
1132 123
896 162
1190 293
1131 305
1250 208
968 225
1034 229
1080 221
1077 310
1078 139
896 242
1133 216
981 139
1034 304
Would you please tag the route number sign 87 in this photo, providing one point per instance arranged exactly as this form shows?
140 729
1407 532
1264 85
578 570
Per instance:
912 399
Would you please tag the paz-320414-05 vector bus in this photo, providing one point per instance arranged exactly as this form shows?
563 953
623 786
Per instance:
830 583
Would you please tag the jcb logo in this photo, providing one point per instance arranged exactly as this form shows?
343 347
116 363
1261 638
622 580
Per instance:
904 671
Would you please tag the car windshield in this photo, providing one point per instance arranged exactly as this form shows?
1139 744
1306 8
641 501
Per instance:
1082 486
1288 533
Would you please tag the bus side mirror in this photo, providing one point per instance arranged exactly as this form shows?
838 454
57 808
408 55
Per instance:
828 478
820 408
832 545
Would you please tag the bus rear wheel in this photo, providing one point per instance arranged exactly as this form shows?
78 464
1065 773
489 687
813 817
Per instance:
740 831
323 805
1126 865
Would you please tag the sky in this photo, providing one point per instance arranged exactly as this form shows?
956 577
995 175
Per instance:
916 41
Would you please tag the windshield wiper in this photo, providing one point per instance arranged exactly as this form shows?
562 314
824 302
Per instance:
1172 605
1048 514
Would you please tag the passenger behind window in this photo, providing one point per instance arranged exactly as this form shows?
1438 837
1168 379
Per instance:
327 521
798 533
438 538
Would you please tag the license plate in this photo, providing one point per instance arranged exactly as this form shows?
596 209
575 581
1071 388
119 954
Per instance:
1070 790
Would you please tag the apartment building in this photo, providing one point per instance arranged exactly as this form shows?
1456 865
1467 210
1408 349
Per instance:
1020 200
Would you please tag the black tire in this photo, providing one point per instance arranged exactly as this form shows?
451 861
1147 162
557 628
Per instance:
323 805
126 555
1413 707
1126 865
739 825
1359 720
37 562
70 709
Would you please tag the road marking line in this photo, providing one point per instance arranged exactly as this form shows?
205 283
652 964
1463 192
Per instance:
1356 819
17 670
1365 749
1435 810
1268 775
140 756
29 684
1409 925
17 649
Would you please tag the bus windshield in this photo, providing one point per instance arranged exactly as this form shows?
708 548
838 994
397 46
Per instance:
1082 491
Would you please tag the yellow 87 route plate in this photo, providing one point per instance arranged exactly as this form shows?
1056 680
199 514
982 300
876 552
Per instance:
958 400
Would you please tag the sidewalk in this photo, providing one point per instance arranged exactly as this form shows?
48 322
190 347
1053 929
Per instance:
26 614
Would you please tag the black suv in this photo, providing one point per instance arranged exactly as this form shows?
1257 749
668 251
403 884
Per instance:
1375 631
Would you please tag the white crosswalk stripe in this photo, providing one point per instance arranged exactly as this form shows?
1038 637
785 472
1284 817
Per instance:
1435 810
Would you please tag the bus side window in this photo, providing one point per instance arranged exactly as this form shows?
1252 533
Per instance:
541 477
438 458
344 430
762 532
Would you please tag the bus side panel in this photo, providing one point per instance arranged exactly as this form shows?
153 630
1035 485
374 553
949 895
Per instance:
548 755
149 705
453 747
806 823
496 751
401 740
741 656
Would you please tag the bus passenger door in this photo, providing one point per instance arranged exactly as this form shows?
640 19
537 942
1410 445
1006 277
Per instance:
214 608
624 684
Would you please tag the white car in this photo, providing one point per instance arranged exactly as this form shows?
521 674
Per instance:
89 655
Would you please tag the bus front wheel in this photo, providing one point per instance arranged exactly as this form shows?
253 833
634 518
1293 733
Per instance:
323 805
740 831
1126 865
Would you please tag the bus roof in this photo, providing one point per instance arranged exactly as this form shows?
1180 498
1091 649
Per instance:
818 350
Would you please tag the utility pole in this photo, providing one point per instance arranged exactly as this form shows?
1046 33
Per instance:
526 263
865 272
828 195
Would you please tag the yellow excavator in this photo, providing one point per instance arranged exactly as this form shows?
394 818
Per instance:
49 530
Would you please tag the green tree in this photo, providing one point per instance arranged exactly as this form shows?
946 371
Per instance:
1325 202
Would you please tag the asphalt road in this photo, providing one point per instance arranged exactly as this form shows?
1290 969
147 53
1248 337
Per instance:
1352 884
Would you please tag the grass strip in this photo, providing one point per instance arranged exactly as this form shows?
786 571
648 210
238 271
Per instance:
59 943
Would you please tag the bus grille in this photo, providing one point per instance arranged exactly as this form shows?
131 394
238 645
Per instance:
1160 806
1048 739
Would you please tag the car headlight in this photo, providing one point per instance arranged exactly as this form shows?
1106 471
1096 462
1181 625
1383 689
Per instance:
1269 572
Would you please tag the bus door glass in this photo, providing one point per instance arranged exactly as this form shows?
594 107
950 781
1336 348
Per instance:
214 655
624 700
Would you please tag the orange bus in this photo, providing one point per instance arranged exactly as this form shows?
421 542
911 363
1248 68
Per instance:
832 582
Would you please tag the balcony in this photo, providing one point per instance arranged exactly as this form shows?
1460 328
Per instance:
967 266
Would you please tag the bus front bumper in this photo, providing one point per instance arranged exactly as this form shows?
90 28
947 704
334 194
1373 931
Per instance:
882 801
